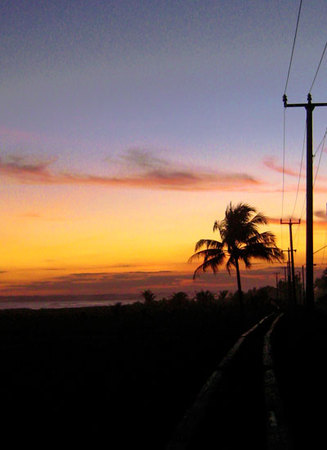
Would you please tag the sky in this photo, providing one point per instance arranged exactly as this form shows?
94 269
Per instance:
127 127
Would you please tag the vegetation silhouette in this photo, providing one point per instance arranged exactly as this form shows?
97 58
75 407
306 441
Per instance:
321 284
85 375
204 297
148 296
240 241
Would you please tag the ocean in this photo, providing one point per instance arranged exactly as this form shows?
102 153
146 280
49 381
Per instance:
63 301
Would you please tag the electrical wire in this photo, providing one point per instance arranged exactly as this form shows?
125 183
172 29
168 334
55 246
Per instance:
322 57
284 155
283 177
293 46
284 127
320 146
300 173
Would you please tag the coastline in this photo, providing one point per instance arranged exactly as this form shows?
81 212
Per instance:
37 302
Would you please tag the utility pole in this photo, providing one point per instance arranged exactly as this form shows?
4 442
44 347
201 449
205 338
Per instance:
288 274
309 106
290 223
277 285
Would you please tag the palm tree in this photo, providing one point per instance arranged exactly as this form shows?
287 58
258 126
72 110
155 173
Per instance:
148 296
240 241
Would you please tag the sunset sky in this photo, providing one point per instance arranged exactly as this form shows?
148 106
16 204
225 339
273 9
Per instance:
126 127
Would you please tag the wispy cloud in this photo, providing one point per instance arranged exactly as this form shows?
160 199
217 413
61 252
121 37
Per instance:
141 158
156 173
15 135
270 162
162 283
30 215
321 214
25 171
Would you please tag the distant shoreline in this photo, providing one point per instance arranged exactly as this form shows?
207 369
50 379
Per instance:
37 302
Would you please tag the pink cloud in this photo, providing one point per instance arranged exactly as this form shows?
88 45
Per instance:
18 136
25 172
270 162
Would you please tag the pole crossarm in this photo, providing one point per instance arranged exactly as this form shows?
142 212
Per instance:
290 222
309 104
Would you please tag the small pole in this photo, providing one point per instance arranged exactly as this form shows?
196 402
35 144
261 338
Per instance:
291 222
289 284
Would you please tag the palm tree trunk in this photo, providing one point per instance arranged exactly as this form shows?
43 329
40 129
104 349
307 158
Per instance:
239 289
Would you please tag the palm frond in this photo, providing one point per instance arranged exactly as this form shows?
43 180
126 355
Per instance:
260 250
259 219
217 225
230 263
212 264
208 243
246 261
205 254
266 238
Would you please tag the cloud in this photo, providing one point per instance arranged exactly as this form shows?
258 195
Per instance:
100 282
14 135
321 214
141 158
131 284
30 215
270 162
186 180
25 171
273 220
321 223
156 174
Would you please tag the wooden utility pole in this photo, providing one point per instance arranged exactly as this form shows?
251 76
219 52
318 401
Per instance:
288 276
291 222
309 106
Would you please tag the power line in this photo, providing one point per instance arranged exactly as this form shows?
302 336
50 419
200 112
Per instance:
293 46
284 122
284 151
283 179
321 145
300 173
322 57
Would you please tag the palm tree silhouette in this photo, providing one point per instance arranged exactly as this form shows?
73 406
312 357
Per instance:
240 241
